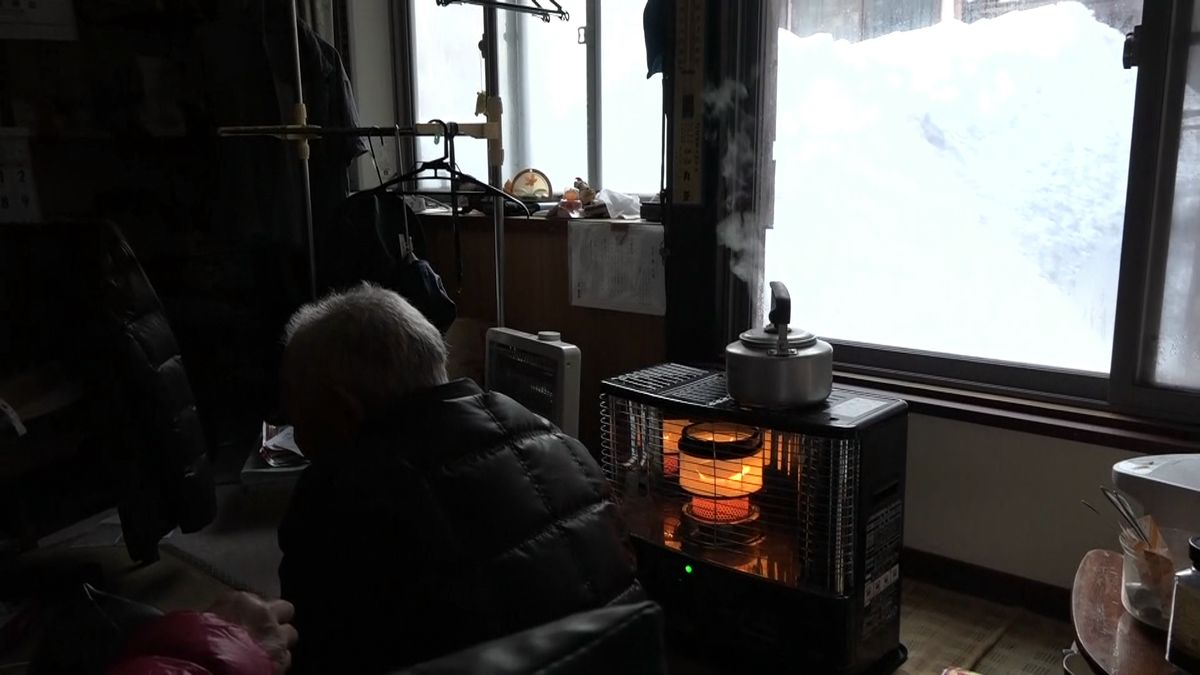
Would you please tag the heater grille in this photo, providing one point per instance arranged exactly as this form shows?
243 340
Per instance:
539 371
775 504
528 378
661 378
763 532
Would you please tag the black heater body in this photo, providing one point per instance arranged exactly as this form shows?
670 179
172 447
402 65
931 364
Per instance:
771 538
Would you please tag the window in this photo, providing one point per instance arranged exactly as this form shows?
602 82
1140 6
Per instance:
544 74
631 103
544 70
978 190
1176 347
955 183
1156 364
447 73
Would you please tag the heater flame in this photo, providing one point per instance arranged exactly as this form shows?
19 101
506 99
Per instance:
713 478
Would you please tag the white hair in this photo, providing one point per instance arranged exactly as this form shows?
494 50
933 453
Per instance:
370 342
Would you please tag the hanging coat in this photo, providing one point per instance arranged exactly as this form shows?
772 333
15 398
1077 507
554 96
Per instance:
364 245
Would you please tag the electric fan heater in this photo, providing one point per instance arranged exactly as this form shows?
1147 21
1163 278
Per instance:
541 372
771 538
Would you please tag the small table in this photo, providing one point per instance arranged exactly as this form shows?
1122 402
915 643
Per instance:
1112 641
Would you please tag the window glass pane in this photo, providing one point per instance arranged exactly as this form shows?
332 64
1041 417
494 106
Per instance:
951 176
545 97
448 74
631 104
1177 358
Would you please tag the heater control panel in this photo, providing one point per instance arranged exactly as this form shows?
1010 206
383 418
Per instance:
881 562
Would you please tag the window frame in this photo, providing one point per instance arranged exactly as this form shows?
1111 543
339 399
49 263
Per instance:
1163 58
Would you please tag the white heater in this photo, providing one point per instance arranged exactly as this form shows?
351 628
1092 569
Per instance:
539 371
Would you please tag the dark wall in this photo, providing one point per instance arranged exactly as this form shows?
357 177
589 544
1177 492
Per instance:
123 124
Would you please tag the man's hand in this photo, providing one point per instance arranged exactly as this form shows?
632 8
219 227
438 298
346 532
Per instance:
267 621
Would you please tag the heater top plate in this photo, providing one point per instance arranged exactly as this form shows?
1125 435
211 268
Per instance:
683 388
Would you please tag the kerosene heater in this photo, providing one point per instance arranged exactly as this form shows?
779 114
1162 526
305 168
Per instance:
771 537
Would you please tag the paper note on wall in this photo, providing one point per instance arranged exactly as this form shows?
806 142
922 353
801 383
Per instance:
18 194
617 266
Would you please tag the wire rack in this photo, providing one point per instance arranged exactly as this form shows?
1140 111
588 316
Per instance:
774 504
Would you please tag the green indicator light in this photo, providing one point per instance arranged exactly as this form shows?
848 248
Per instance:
687 568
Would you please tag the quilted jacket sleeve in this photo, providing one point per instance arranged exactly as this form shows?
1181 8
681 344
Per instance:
169 481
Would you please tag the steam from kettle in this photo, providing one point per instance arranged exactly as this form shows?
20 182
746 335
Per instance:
741 230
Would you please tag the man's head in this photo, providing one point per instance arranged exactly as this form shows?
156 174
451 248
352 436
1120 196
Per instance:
351 354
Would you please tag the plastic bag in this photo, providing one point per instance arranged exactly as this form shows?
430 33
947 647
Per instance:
621 205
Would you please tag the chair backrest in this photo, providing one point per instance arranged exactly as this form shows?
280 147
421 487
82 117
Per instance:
615 639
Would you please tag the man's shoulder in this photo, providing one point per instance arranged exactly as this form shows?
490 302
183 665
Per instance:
512 416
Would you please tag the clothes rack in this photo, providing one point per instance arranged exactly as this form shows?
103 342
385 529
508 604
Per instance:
543 13
300 132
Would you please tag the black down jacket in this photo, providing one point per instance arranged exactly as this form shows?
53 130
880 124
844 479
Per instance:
168 481
459 518
76 294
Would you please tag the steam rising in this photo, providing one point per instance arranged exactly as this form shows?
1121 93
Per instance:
741 230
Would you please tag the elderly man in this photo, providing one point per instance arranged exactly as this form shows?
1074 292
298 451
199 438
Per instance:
434 515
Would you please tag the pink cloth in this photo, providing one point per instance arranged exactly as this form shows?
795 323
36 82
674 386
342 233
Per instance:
192 643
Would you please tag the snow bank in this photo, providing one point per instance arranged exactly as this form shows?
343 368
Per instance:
958 188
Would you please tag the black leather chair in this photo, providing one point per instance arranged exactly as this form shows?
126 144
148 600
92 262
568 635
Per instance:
626 639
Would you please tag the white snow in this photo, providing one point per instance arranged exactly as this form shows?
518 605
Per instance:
957 189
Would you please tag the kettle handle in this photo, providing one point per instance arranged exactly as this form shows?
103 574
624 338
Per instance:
781 305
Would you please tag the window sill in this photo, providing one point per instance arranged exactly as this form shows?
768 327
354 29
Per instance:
1057 420
479 216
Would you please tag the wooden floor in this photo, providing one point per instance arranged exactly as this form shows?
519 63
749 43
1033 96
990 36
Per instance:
945 629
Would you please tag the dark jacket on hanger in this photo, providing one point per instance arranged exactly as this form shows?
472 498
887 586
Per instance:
364 245
96 311
257 195
458 517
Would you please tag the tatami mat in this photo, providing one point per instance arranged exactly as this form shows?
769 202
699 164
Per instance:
944 629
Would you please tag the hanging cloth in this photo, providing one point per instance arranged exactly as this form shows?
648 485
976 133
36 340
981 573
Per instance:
367 244
655 18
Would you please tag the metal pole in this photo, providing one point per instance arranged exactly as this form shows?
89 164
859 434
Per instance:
594 93
301 117
491 38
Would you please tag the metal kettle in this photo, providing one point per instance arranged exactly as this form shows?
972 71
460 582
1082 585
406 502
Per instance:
778 366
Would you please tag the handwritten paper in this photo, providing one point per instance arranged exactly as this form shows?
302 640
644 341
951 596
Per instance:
617 266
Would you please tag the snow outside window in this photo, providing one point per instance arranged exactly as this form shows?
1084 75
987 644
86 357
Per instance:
957 185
